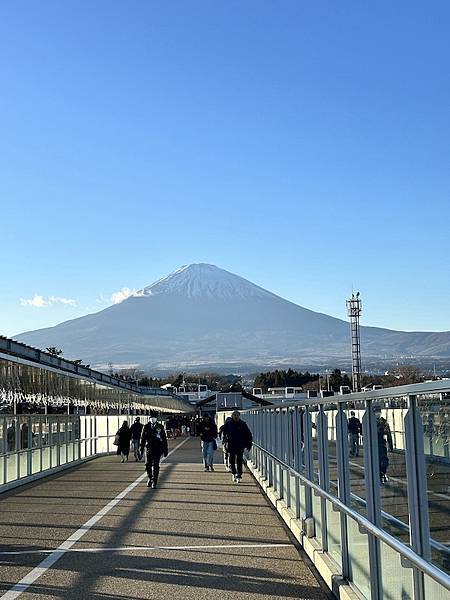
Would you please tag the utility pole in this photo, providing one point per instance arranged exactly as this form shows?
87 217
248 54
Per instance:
354 309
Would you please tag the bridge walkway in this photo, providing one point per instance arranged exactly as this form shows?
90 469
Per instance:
196 536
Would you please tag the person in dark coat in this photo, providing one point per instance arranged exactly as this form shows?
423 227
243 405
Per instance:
354 431
226 454
238 437
123 446
208 434
384 443
136 432
154 441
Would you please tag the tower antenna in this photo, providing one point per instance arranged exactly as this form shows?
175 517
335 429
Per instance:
354 308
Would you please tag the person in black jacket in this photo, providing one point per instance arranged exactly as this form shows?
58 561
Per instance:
154 440
136 432
123 446
354 431
237 437
208 434
384 443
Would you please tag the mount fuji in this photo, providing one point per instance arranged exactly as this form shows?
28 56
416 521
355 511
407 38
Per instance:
201 316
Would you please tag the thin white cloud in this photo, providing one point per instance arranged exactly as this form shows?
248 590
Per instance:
60 300
39 301
124 293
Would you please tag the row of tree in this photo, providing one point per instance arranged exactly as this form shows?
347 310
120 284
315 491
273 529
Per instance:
399 375
283 378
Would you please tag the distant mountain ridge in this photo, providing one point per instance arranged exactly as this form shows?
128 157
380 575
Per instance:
202 315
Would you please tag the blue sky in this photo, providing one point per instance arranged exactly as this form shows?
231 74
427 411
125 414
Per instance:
303 145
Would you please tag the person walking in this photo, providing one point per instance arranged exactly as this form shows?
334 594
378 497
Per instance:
123 441
354 431
226 454
154 441
238 438
208 435
136 432
384 443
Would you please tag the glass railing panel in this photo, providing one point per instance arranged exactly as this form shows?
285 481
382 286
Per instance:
62 454
390 426
358 551
35 461
11 434
54 431
356 451
11 467
102 432
45 431
334 533
396 580
434 591
62 432
2 439
45 458
435 415
70 431
23 464
315 446
54 456
24 432
302 501
35 431
292 492
332 451
317 514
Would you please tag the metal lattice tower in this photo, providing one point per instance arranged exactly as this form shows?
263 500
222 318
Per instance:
354 308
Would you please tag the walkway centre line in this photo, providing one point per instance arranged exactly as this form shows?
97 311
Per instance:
148 548
50 560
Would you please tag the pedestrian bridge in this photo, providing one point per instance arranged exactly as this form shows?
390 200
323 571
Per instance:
75 522
97 531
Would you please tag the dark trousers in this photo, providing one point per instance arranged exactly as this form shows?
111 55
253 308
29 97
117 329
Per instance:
152 465
235 458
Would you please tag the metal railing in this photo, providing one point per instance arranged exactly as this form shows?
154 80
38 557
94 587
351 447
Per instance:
376 533
36 445
37 383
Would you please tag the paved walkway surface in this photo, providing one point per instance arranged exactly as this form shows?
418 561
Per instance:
196 536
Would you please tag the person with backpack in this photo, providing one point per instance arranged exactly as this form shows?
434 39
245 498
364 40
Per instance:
136 432
238 438
154 441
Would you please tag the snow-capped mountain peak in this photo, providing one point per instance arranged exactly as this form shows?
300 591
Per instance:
204 280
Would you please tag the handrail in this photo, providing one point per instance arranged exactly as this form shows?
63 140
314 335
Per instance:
12 349
101 379
396 522
414 389
429 569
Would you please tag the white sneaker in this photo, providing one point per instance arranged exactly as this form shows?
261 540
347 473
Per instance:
233 478
238 479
